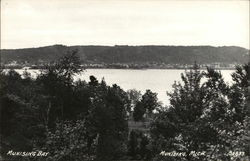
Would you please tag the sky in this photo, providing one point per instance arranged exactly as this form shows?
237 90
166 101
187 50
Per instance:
32 23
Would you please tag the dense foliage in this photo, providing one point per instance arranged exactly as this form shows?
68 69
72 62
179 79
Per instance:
72 120
207 115
77 120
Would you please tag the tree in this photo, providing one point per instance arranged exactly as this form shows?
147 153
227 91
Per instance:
150 101
108 119
93 81
68 66
139 111
134 96
58 87
146 105
178 127
187 99
239 92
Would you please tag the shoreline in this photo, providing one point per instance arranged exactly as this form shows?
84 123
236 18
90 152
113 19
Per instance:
39 68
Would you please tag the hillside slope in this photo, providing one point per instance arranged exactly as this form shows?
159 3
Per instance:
131 54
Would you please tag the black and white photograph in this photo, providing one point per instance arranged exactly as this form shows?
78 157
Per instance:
125 80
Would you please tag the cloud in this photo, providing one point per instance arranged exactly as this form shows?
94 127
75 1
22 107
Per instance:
29 23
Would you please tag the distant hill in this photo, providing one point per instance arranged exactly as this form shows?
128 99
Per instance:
131 54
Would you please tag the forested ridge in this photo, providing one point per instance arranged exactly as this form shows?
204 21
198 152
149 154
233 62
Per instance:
131 54
88 120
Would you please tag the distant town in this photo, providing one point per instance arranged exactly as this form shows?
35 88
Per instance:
152 65
129 57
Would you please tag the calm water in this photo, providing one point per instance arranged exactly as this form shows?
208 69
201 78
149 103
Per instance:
157 80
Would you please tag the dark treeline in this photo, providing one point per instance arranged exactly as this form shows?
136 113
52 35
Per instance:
130 55
88 120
